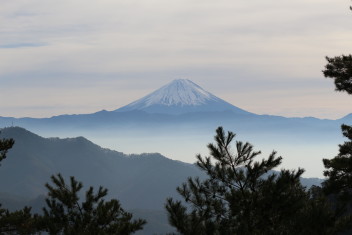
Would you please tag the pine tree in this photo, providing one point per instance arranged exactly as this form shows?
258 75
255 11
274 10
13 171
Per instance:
243 196
66 214
5 145
18 222
339 169
338 185
339 68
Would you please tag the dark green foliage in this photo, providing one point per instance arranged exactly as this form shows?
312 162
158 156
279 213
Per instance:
339 169
18 222
66 214
241 196
340 69
320 216
338 184
5 145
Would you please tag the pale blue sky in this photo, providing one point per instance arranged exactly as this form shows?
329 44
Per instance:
82 56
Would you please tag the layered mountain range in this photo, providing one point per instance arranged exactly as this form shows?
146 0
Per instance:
141 182
179 119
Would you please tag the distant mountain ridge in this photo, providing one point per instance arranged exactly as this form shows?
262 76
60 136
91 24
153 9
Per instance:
179 118
181 96
33 159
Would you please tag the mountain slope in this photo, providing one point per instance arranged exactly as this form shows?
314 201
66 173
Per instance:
33 159
140 182
181 96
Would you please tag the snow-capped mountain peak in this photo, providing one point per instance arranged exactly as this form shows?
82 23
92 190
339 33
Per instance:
181 92
179 96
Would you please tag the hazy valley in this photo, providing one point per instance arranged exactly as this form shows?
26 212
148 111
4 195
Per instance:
179 119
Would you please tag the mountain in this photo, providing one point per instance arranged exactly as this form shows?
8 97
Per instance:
181 96
178 119
33 159
141 182
347 118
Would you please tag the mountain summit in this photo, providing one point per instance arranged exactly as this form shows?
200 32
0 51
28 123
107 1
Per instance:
180 96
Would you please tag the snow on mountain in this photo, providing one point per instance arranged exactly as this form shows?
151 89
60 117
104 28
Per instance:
180 96
178 92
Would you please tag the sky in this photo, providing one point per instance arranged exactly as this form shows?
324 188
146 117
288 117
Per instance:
83 56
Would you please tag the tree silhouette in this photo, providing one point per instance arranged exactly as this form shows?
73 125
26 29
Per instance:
339 68
338 184
5 145
66 214
339 169
243 196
